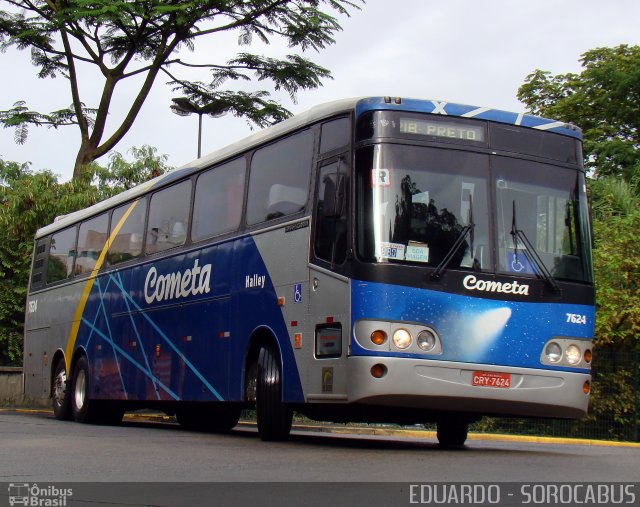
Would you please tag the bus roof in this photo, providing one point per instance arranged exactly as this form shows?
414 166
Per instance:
316 113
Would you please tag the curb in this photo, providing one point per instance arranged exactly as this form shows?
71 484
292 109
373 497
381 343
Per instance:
381 432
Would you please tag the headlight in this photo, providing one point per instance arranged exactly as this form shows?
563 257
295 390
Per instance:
402 338
573 354
553 352
426 340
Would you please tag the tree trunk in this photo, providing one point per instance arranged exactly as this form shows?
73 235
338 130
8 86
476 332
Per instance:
86 155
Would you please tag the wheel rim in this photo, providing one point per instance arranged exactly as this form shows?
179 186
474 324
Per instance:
60 388
80 389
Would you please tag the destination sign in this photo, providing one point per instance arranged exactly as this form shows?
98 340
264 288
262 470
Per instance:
449 130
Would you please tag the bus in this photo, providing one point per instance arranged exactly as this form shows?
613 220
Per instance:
379 260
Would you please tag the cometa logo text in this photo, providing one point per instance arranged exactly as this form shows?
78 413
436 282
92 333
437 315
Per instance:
179 284
470 282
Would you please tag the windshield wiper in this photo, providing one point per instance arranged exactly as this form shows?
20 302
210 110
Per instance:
467 230
530 252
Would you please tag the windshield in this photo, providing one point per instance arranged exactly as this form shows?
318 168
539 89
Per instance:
548 205
414 203
418 205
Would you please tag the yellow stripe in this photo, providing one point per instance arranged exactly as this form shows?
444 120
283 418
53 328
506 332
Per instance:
77 318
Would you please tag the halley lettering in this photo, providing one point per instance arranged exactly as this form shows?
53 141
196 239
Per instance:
179 284
251 281
470 282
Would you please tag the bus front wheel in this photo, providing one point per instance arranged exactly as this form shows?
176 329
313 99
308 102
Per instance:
60 393
452 433
274 416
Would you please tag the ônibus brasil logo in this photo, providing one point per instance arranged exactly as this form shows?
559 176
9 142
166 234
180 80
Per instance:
36 496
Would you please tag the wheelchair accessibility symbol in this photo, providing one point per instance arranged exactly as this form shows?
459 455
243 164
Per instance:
297 293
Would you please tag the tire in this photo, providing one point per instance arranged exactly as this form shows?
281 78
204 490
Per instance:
274 416
86 410
219 419
452 433
60 398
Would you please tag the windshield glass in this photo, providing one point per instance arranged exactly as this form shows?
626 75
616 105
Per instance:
414 203
548 204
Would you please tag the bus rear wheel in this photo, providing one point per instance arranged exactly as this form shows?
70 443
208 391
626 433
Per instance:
84 409
60 393
274 416
452 433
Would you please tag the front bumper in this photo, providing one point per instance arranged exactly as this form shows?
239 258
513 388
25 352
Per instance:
446 386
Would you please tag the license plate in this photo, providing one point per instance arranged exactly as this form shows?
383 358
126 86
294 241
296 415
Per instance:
491 379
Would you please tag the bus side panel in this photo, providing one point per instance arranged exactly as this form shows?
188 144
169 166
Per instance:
157 331
50 315
268 266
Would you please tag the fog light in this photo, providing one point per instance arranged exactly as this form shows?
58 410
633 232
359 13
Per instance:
588 356
378 370
553 352
402 338
378 337
573 354
426 340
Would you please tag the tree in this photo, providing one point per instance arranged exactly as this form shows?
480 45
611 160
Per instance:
124 39
120 174
30 200
27 201
616 221
604 100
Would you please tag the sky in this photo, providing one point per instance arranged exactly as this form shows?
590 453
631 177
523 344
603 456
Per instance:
466 51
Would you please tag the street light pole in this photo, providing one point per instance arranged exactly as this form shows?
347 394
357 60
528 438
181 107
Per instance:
184 107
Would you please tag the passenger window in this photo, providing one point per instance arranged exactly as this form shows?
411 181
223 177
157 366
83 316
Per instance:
91 240
62 254
217 206
127 244
39 258
168 217
335 134
279 180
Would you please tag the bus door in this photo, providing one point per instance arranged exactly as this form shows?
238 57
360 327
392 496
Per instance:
329 287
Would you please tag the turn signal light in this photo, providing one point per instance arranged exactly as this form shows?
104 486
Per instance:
587 356
378 337
586 387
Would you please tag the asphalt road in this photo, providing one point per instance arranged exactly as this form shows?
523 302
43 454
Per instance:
34 447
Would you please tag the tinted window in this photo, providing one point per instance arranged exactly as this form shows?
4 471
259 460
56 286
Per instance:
39 258
331 222
62 253
127 244
91 240
168 217
533 142
335 134
217 206
279 181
